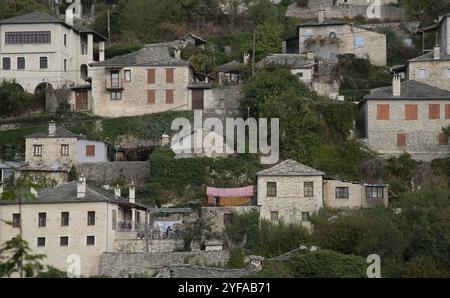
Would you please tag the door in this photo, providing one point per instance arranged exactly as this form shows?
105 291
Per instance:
197 99
81 100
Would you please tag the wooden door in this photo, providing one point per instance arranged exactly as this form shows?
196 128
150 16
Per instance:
197 99
81 100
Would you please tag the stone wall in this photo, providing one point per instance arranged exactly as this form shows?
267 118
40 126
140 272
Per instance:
223 99
216 214
121 172
437 72
150 246
128 264
192 271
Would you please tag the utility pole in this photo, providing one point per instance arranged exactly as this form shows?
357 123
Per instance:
254 50
109 29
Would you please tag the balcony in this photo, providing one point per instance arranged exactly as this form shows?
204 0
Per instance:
115 84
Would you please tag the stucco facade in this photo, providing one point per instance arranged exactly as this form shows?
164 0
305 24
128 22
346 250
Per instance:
334 38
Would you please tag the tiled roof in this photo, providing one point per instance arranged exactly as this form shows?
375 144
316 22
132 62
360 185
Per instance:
150 55
410 90
430 57
60 133
67 193
294 61
290 168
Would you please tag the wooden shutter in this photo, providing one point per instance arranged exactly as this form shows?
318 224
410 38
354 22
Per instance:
411 112
434 111
169 75
447 111
169 96
382 112
401 139
90 150
151 96
443 139
151 76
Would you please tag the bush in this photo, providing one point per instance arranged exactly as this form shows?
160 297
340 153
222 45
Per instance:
237 259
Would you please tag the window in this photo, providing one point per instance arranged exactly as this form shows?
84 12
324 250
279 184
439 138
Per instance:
308 189
401 140
422 73
169 75
305 216
333 56
41 241
6 63
42 219
434 111
91 218
43 63
65 65
382 112
443 139
375 192
271 189
37 150
127 75
65 40
411 112
227 218
64 241
64 219
307 35
114 79
300 74
90 240
28 37
448 73
447 111
151 96
90 150
151 76
21 63
274 215
64 150
360 41
169 96
16 220
116 95
342 193
333 35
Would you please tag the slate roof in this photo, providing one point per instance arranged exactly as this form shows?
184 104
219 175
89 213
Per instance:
410 90
293 61
329 22
46 168
429 57
290 168
60 133
13 164
40 17
157 54
67 193
194 36
231 66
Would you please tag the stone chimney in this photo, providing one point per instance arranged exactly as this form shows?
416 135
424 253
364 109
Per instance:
117 191
81 187
132 193
321 16
177 53
164 140
436 52
396 86
51 128
284 47
246 58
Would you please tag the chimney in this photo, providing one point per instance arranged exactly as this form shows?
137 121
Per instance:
132 193
51 128
81 187
164 140
321 16
396 86
177 53
117 191
246 58
284 47
436 52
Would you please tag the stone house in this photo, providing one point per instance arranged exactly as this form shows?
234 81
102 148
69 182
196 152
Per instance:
330 38
149 80
8 170
39 51
406 117
73 221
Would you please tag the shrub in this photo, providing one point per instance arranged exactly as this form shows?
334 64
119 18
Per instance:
237 259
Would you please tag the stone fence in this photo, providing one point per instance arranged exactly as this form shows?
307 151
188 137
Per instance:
121 172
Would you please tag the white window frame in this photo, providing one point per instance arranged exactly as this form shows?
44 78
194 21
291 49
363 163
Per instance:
419 71
127 75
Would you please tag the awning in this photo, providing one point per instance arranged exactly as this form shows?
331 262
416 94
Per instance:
247 191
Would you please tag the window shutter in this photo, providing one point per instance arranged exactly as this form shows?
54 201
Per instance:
151 76
382 112
169 75
151 96
411 112
447 111
401 139
169 96
434 111
90 150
